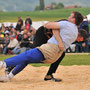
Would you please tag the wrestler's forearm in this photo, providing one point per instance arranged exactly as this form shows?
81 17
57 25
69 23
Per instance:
58 38
52 25
57 35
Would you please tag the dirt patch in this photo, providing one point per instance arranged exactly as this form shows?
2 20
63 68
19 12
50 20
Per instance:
31 78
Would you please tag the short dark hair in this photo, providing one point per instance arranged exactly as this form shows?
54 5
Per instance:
79 18
83 33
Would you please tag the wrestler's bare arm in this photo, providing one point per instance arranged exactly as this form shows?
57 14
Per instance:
55 28
58 38
52 25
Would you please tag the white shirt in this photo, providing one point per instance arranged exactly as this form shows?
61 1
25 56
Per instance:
68 32
13 43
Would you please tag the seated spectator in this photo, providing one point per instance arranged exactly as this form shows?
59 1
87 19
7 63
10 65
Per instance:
14 31
10 33
6 32
18 36
1 34
33 29
6 42
88 43
13 43
29 35
1 40
25 41
6 29
81 41
32 34
2 27
11 26
89 26
25 32
22 29
23 45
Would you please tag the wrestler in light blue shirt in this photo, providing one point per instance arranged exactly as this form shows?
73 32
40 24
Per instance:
68 33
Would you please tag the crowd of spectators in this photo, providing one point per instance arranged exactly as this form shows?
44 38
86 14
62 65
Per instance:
15 40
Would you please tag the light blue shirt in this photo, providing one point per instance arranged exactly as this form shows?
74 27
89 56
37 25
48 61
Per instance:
68 32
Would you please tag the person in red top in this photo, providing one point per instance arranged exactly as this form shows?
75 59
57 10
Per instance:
27 26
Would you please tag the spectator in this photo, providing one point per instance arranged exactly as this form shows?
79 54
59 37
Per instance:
18 36
6 42
1 40
11 26
10 33
29 35
33 29
27 26
18 26
24 44
6 30
14 31
22 29
28 19
81 41
84 25
25 41
89 26
1 34
88 43
3 27
13 43
20 20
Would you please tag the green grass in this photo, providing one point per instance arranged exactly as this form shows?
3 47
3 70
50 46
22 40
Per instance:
67 61
50 15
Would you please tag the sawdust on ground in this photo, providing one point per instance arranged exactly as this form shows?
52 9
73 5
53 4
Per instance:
31 78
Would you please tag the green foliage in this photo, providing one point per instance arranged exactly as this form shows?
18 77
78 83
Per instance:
53 3
42 4
60 5
37 8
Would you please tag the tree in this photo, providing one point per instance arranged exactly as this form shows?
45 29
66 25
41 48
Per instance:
37 8
42 5
60 5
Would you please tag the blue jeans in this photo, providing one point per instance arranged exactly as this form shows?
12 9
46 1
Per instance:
22 60
5 50
88 45
80 48
16 50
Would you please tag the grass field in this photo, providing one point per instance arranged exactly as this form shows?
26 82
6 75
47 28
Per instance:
72 59
50 15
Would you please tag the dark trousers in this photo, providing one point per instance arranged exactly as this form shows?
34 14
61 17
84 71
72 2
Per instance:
55 65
